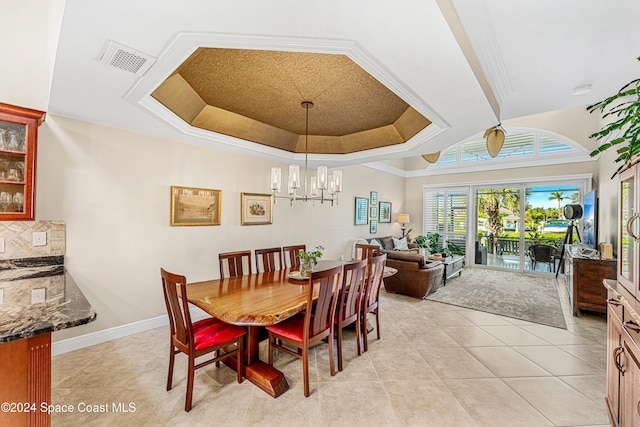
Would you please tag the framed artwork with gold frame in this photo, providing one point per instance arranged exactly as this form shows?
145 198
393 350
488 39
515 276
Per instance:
256 209
195 206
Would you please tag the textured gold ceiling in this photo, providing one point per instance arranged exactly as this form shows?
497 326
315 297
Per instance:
256 95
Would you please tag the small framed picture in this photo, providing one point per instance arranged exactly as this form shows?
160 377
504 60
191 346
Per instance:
385 212
362 211
373 226
256 209
373 212
373 198
195 206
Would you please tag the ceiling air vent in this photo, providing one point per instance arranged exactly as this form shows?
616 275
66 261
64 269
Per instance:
125 58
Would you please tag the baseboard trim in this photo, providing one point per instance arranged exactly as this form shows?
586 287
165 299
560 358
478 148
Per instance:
87 340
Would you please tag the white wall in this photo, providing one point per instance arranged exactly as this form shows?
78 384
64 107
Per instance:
111 187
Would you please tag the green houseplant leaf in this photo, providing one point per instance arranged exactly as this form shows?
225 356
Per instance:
623 109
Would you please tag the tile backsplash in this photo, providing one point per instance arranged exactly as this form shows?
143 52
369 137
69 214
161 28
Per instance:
18 239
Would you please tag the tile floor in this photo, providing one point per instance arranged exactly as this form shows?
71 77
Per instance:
436 365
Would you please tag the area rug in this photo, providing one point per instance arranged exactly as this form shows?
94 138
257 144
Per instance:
527 297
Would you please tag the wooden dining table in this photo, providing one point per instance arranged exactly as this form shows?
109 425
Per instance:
255 301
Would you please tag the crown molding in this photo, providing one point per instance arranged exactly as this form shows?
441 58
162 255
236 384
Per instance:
184 44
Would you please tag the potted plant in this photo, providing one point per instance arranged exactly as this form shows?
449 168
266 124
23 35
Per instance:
308 259
434 240
624 110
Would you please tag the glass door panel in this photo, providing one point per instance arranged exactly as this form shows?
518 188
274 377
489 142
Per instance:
628 215
498 227
545 225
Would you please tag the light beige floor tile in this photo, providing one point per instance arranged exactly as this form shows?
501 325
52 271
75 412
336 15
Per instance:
400 364
594 354
513 335
356 404
471 336
557 336
431 338
490 402
592 386
455 363
559 402
505 362
481 318
435 406
289 409
557 361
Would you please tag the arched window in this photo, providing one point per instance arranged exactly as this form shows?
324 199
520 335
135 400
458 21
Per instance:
522 147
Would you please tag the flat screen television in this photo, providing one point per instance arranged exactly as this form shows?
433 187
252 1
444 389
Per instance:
590 220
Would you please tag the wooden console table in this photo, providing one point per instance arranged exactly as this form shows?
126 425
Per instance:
583 278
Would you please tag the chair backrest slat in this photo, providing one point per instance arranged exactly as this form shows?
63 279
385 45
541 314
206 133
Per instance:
177 306
376 269
366 251
353 289
328 283
291 257
269 259
236 262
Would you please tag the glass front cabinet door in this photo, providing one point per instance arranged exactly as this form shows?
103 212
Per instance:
18 147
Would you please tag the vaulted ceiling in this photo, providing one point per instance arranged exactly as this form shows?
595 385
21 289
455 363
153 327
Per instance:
389 80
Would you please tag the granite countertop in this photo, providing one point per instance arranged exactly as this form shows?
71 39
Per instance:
64 307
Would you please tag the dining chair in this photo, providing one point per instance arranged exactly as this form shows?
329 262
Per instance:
371 299
235 263
350 302
313 325
366 251
291 257
269 259
197 339
544 254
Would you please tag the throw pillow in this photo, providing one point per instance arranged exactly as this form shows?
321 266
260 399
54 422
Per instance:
375 242
400 244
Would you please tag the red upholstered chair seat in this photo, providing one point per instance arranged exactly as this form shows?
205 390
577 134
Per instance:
211 332
290 328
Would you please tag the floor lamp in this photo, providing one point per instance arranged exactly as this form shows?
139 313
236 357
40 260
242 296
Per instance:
403 218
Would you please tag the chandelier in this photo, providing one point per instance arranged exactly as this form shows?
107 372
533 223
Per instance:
322 186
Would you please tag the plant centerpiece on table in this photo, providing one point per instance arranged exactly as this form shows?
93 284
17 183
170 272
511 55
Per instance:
624 109
308 259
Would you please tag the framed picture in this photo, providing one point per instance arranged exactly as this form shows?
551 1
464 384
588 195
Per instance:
362 211
373 212
373 196
385 212
195 206
373 226
256 209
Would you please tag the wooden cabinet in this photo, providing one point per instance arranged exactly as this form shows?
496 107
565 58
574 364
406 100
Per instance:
623 357
18 147
583 277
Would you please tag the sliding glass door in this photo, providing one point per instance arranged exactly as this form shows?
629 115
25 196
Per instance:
496 224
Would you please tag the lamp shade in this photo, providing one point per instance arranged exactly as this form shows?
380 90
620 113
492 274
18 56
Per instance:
403 218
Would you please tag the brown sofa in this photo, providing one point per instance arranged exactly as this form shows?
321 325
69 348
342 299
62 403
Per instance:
416 277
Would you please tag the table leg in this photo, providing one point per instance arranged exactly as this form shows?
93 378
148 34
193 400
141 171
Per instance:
260 373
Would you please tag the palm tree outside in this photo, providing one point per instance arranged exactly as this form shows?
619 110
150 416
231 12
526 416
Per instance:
559 197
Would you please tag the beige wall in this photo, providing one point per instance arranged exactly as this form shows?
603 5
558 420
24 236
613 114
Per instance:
111 188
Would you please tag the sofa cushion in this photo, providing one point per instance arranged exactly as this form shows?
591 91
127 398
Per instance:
400 244
407 257
386 242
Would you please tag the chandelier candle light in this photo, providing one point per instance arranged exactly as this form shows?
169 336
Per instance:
317 185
